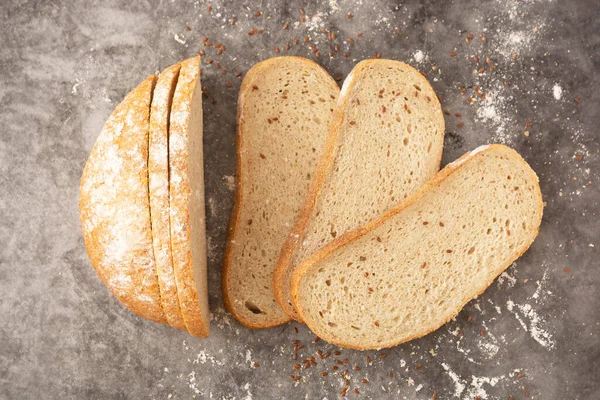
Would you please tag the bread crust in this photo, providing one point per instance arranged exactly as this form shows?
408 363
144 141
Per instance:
158 177
314 193
255 71
115 210
304 267
180 196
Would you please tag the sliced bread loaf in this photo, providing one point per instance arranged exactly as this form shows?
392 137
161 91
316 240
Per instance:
384 143
408 272
284 110
158 176
115 210
186 197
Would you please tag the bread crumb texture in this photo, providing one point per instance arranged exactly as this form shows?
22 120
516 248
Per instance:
285 108
412 271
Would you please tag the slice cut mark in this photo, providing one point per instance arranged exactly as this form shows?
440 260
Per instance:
115 209
430 270
377 154
186 196
284 109
158 177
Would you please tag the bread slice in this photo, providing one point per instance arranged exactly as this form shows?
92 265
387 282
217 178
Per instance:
158 176
186 196
408 272
284 109
115 210
385 142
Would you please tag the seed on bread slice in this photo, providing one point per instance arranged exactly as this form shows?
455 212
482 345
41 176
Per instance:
158 177
115 210
413 269
384 143
186 197
284 110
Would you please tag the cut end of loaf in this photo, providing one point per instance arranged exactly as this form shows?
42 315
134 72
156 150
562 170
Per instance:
411 271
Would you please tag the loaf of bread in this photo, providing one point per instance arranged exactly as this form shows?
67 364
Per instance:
408 272
142 201
284 110
186 199
384 143
115 210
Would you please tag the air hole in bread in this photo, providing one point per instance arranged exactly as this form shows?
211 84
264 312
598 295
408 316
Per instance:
471 250
332 324
253 307
405 140
417 87
328 282
355 327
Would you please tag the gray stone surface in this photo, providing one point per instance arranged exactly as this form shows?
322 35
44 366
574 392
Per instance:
64 65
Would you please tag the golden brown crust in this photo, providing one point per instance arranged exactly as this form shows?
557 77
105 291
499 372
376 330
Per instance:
180 196
327 159
255 71
114 206
158 176
304 267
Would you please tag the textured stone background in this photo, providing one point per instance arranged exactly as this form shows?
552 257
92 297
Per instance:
64 65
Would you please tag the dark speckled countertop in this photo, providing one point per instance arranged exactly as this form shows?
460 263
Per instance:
64 65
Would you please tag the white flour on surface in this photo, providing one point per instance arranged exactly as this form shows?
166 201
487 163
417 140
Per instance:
203 357
557 91
419 56
541 285
492 112
193 383
229 181
507 277
459 386
535 330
